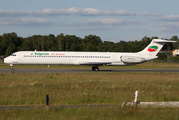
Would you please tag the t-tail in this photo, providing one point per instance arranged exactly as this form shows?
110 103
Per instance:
153 48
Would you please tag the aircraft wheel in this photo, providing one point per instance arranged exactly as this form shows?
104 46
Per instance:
95 68
11 66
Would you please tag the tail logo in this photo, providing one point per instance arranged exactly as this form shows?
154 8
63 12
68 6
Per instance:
152 48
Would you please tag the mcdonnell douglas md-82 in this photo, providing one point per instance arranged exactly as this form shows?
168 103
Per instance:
93 59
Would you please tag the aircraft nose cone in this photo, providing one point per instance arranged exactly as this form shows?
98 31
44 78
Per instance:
6 60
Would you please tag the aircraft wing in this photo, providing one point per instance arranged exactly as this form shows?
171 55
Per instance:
94 63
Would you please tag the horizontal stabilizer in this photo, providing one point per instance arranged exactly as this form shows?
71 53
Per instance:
162 41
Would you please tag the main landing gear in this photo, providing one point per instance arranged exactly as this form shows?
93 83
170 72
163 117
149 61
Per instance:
95 68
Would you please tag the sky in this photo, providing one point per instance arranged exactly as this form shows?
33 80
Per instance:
111 20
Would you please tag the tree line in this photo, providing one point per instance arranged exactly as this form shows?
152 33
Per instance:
11 42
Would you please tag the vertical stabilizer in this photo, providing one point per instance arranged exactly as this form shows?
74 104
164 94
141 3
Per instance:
154 47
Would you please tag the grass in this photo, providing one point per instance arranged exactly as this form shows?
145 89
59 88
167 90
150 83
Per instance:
89 88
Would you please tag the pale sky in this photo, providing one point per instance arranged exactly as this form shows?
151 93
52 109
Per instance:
111 20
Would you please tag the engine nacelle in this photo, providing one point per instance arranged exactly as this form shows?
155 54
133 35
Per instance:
132 59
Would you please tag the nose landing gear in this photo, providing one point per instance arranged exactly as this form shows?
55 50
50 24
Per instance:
11 67
95 68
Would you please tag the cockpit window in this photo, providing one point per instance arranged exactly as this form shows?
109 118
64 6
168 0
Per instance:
13 54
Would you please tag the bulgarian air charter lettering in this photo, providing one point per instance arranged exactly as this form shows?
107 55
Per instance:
52 54
40 54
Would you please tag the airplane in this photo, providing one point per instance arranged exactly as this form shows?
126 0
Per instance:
93 59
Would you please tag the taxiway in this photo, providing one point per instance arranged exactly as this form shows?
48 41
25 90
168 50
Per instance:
83 70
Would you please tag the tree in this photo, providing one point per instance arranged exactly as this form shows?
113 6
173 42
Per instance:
120 46
60 42
1 50
10 42
144 42
91 43
175 45
107 46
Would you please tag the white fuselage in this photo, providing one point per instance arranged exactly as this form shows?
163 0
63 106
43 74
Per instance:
71 58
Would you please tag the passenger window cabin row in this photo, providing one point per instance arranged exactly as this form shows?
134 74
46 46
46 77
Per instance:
68 56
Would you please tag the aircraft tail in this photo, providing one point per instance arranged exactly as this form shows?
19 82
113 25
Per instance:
154 47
